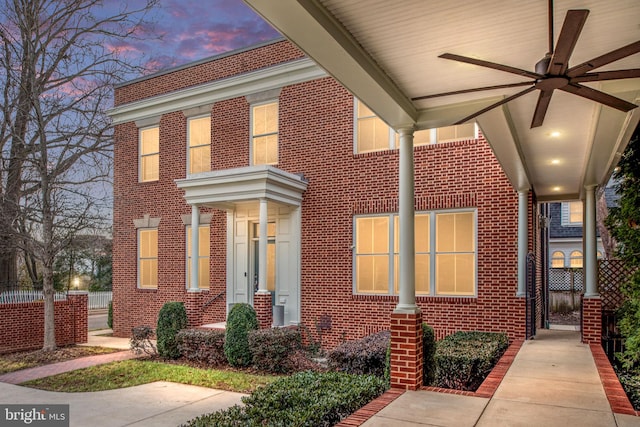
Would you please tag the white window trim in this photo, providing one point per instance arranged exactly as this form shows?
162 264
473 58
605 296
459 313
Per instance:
251 134
140 155
189 147
139 258
432 253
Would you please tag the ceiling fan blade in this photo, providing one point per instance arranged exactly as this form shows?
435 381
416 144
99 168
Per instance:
598 96
541 108
606 75
497 104
477 89
605 59
571 29
491 65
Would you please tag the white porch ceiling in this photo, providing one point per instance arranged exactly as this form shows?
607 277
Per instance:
386 53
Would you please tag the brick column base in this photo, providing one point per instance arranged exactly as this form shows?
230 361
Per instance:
262 306
592 320
406 350
79 301
193 309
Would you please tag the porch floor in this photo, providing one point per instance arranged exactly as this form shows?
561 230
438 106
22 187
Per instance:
219 325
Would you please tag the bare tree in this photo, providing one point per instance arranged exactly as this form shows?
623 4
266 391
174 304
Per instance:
58 71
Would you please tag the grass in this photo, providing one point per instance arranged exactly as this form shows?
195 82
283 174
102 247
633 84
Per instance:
31 359
130 373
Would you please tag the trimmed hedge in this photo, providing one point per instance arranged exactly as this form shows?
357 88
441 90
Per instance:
272 349
202 346
110 315
363 356
241 320
428 354
171 319
303 399
464 359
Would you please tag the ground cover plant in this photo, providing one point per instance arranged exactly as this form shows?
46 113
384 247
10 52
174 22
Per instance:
302 399
30 359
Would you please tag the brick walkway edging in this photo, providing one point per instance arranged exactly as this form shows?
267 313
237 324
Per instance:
616 395
486 389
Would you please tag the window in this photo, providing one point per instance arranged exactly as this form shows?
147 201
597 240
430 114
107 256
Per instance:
149 154
199 143
575 259
572 214
148 258
271 255
264 134
557 259
449 270
372 134
203 256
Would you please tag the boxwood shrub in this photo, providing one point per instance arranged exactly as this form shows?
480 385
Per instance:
362 356
302 399
171 319
464 359
428 354
241 320
205 346
273 349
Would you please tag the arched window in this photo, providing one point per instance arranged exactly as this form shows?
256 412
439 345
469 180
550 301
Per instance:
557 259
575 259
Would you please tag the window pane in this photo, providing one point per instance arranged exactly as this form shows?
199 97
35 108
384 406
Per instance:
363 110
203 273
372 273
447 133
445 232
265 150
150 167
200 131
464 238
575 212
200 159
148 243
557 260
372 235
422 137
455 274
422 274
149 273
445 274
150 140
203 240
422 233
575 259
373 134
271 266
265 119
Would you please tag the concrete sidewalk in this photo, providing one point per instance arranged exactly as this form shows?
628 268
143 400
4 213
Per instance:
553 382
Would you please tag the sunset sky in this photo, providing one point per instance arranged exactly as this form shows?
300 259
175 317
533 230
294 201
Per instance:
190 30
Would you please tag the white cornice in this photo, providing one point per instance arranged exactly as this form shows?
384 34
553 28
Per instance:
264 79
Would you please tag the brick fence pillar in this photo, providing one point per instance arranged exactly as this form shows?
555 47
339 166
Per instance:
406 350
592 320
79 302
262 306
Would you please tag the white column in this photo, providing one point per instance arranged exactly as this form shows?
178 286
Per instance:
590 260
523 241
407 298
262 248
195 247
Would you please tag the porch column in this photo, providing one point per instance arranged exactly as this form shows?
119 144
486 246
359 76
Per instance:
262 248
523 241
406 319
195 247
590 260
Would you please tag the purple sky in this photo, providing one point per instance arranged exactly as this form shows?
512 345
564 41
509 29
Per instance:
190 30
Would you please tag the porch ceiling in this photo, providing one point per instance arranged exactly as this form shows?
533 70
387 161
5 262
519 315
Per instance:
222 189
386 53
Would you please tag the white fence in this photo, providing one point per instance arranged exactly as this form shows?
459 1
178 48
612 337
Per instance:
98 300
19 296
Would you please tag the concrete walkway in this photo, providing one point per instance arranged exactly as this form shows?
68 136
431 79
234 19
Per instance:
553 381
155 404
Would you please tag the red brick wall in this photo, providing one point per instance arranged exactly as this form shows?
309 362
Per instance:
22 325
592 320
316 139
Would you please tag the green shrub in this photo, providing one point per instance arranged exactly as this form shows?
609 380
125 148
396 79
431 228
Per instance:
363 356
303 399
110 315
387 366
202 346
273 349
171 319
241 320
464 359
428 354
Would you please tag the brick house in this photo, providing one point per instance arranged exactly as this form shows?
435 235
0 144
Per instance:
262 142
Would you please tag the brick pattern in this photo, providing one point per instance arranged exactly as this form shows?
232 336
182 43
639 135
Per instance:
363 414
316 131
264 312
616 395
22 325
406 350
591 320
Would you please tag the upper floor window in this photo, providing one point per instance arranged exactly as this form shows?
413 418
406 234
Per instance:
557 259
372 134
450 269
264 134
204 253
149 161
572 213
575 259
148 258
199 144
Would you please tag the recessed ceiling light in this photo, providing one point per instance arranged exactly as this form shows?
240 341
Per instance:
555 161
556 189
555 134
